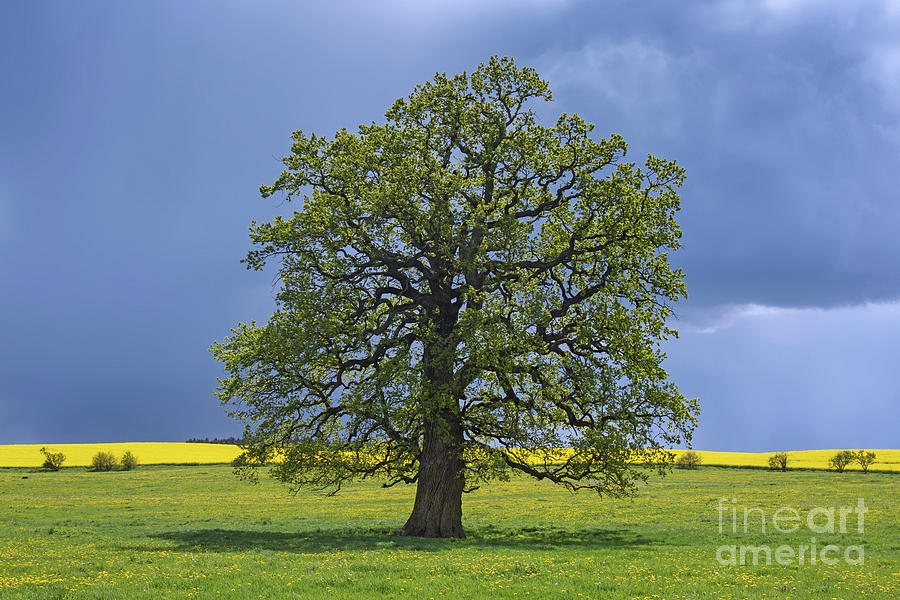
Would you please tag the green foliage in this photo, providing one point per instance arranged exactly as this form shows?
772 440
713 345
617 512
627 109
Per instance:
689 460
865 458
52 460
129 461
839 461
104 461
779 461
462 273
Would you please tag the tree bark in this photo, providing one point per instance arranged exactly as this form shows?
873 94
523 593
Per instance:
437 511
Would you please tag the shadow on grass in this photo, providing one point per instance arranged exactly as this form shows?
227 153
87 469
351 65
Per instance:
327 540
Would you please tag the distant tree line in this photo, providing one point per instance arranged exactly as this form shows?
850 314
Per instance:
228 440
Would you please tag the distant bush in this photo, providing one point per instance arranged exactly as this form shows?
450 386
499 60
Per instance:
778 461
229 440
129 461
839 461
104 461
689 460
53 460
865 458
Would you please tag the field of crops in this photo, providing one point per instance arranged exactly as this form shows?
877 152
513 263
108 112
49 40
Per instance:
173 453
887 460
198 532
147 453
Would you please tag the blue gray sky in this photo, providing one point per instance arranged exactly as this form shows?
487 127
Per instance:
134 137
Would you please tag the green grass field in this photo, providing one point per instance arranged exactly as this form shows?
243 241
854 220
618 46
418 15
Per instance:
198 532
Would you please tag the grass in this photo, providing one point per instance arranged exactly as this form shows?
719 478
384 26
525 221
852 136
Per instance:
197 532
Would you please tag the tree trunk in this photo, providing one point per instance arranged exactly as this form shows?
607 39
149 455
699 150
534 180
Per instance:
437 511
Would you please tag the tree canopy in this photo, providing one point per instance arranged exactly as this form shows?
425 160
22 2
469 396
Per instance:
464 293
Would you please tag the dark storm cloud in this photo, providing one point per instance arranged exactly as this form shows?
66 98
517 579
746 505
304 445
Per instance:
776 378
786 122
133 139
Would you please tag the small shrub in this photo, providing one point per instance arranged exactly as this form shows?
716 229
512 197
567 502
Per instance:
865 458
839 461
689 460
778 461
129 461
104 461
53 460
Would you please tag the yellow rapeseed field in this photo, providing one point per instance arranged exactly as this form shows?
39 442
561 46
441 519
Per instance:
147 453
886 460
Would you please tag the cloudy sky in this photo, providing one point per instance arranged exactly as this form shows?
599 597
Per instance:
134 137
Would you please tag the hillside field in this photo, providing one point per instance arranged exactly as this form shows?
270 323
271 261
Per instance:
147 453
198 532
173 453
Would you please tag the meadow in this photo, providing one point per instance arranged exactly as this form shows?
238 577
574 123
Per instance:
198 532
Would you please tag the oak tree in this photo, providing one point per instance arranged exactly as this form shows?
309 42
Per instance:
464 293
